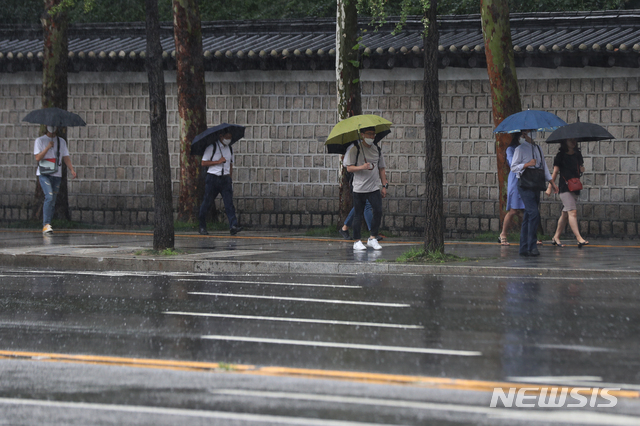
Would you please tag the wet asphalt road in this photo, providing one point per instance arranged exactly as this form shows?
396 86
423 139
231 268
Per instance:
578 332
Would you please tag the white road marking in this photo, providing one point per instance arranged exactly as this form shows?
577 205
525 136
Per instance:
303 299
578 348
591 381
303 320
555 416
339 345
271 283
181 412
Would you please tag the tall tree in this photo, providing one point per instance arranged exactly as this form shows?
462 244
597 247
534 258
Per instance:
434 215
348 84
163 232
54 90
505 94
191 102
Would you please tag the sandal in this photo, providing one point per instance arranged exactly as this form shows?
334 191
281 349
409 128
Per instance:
503 241
584 243
556 243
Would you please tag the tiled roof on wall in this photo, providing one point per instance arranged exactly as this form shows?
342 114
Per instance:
548 40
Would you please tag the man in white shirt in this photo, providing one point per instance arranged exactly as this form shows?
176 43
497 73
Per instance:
367 164
219 158
54 149
527 155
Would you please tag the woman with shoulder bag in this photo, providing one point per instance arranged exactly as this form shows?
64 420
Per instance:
532 172
50 148
568 163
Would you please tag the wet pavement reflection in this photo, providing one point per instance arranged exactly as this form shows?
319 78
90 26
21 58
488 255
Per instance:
451 326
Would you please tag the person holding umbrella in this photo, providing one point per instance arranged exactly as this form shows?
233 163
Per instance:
366 162
569 164
52 148
218 157
529 155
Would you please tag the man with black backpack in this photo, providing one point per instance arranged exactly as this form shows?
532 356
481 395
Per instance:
367 164
218 157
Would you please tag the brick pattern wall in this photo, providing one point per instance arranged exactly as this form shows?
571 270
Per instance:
282 175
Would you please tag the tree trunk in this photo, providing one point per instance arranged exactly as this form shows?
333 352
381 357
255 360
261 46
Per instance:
54 94
163 234
505 93
434 215
191 103
348 85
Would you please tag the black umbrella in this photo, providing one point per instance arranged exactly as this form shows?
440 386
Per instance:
212 134
581 132
54 117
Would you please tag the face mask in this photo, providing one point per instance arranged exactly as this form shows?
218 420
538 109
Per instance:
533 135
368 141
51 129
226 141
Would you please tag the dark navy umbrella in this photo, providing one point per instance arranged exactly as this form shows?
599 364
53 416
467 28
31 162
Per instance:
581 132
212 134
54 117
530 119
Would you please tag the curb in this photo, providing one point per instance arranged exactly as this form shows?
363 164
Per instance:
197 266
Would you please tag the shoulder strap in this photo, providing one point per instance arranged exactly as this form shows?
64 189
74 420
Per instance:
213 152
58 151
534 157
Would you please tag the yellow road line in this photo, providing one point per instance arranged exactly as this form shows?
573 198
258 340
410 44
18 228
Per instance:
352 376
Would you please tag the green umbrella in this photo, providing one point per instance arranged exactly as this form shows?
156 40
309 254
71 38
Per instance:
348 130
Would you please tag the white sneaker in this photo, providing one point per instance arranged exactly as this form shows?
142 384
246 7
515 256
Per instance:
373 243
47 229
359 246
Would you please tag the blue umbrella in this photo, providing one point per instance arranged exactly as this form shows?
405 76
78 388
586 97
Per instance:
212 134
530 119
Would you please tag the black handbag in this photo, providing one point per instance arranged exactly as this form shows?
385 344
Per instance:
533 179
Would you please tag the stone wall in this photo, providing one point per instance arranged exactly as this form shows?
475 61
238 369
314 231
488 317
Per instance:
282 176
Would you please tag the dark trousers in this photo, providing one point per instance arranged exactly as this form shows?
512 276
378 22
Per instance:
359 202
214 185
530 220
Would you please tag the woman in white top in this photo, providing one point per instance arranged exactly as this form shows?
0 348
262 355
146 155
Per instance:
53 148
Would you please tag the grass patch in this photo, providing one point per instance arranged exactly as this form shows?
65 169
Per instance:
420 255
165 252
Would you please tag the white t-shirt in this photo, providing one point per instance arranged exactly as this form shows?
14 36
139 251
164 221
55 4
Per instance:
42 142
365 180
222 150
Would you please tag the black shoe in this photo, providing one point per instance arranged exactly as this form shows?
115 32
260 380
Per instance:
525 254
534 252
235 229
345 234
203 231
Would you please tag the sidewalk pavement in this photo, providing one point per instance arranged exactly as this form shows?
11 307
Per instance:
277 252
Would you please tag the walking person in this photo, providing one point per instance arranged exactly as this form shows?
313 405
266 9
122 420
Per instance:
368 212
219 181
366 162
54 149
514 205
529 155
568 163
514 202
